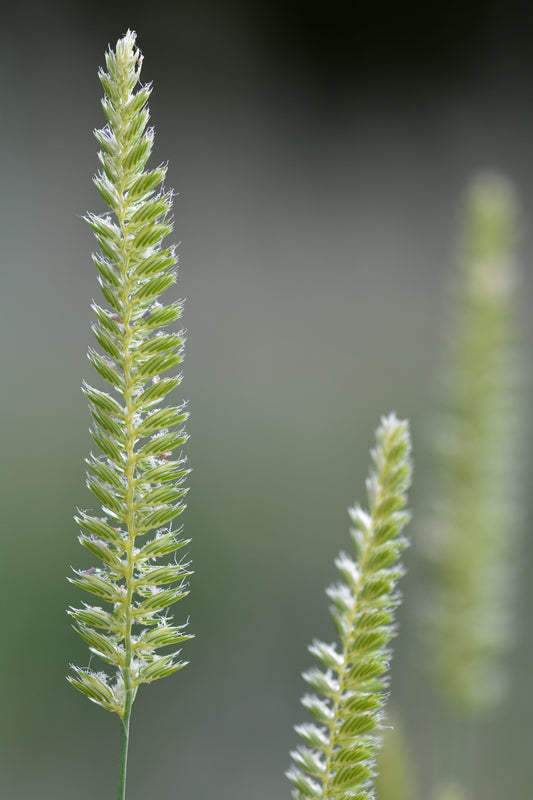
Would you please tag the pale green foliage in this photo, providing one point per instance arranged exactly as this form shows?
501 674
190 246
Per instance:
338 759
472 526
135 478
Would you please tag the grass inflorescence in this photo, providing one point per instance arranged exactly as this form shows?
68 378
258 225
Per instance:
337 761
472 527
135 475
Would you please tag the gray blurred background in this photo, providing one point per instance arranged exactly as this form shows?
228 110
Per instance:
320 150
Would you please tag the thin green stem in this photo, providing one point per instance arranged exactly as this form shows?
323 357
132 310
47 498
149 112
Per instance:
124 743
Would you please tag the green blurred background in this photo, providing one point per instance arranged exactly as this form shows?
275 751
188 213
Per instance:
320 150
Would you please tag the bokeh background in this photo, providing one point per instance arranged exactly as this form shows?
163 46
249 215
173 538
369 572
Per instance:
320 150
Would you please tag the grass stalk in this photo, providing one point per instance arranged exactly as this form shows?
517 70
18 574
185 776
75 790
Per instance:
135 476
124 745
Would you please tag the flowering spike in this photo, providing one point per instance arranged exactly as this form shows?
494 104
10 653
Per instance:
472 525
338 759
138 476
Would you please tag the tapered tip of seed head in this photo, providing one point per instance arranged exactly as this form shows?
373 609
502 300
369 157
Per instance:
491 236
126 54
390 423
126 44
492 194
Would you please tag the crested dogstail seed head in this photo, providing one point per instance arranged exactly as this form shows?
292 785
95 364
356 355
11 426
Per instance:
337 759
137 473
471 529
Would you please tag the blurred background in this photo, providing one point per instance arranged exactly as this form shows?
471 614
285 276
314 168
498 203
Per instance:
320 151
